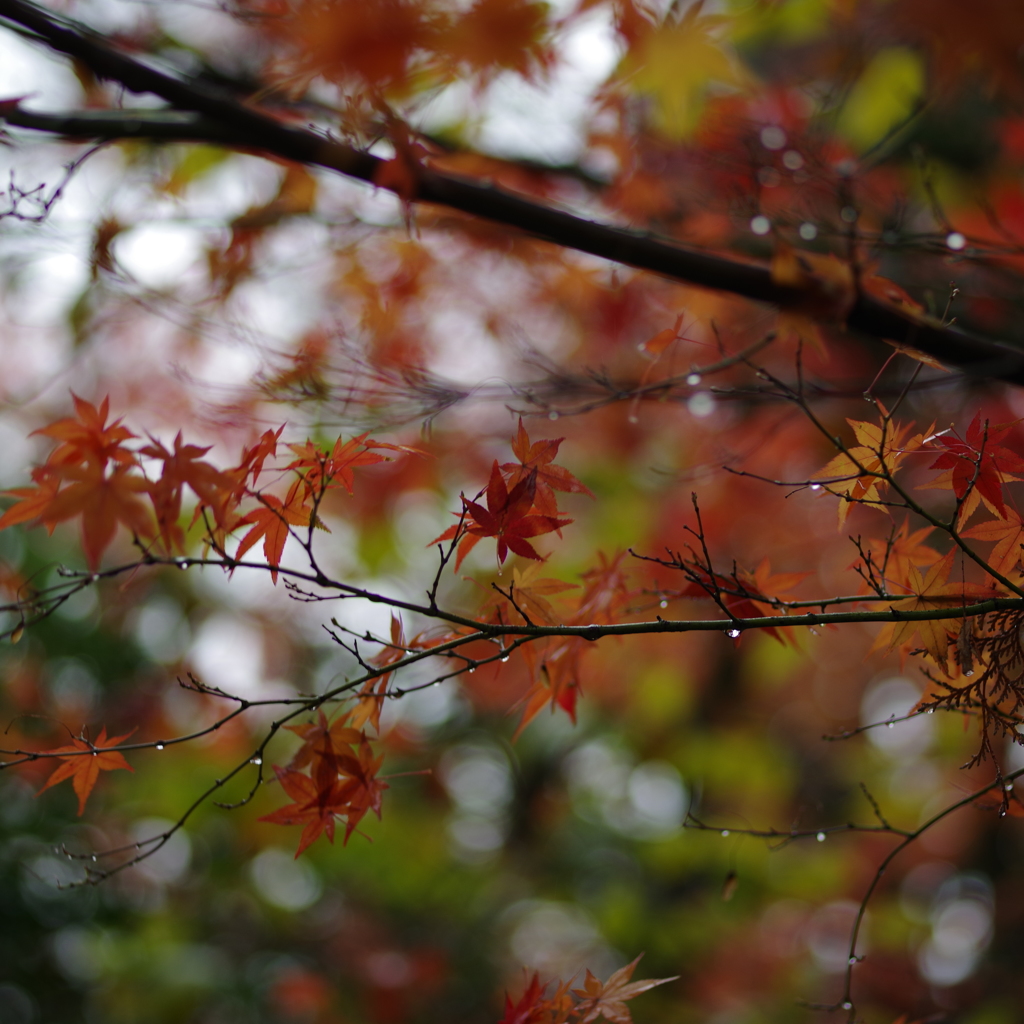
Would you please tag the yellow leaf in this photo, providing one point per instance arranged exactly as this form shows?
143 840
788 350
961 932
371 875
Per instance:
674 65
884 96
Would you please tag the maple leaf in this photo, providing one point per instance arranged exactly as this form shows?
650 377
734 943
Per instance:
271 522
316 808
930 592
539 458
1007 534
371 696
496 35
530 594
101 500
903 550
364 791
323 470
606 590
746 595
857 474
609 1000
183 466
978 461
673 65
34 500
533 1008
322 743
89 438
84 768
254 456
507 517
558 683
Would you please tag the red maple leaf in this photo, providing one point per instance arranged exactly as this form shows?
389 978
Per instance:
746 595
314 807
531 1007
507 518
321 800
539 457
183 465
979 460
322 743
84 763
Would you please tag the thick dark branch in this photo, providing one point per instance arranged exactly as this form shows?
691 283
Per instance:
246 126
109 125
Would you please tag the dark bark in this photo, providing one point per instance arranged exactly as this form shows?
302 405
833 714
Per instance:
218 117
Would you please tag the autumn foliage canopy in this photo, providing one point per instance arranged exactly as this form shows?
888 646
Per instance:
494 490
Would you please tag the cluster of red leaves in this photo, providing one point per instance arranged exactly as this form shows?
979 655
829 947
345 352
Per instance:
521 502
341 783
595 1001
95 475
975 468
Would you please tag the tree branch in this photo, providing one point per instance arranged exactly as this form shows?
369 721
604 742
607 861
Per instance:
246 126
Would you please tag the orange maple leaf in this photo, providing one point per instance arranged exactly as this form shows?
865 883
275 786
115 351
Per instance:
533 1008
1008 535
371 696
85 761
926 593
89 438
531 594
271 522
858 474
101 500
558 683
893 558
608 1000
540 457
747 595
